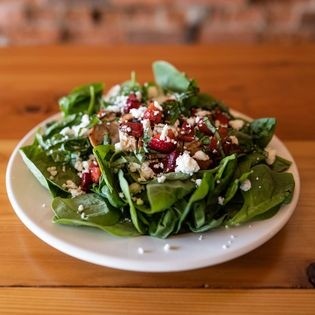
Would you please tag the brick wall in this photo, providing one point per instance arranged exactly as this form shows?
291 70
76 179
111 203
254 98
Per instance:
155 21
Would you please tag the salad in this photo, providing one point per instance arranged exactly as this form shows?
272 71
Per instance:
157 159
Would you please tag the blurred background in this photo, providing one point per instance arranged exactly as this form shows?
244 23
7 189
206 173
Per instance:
37 22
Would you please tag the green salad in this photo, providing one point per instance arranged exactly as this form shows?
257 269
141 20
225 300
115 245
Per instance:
157 159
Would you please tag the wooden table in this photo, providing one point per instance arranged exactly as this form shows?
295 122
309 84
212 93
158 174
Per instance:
266 80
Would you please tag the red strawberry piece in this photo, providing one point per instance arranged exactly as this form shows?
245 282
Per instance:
221 117
223 131
203 128
186 133
132 102
134 129
86 181
153 113
170 161
162 146
213 145
95 172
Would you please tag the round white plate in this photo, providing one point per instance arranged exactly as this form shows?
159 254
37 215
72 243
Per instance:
31 203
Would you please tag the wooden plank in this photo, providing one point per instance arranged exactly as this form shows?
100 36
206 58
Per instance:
281 262
260 80
112 301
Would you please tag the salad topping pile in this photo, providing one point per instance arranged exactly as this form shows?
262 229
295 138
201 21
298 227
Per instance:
158 159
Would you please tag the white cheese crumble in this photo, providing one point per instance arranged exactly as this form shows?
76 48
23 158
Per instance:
236 124
234 139
198 182
137 112
164 132
80 130
146 124
161 179
221 200
270 155
80 208
119 103
246 185
201 156
186 164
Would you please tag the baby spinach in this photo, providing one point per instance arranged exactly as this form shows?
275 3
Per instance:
95 212
38 163
269 190
164 226
169 78
82 99
124 186
87 208
163 196
262 130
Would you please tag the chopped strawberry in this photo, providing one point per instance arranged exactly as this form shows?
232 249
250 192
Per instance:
170 161
204 128
86 181
229 147
223 131
186 133
213 146
221 117
134 129
163 146
95 172
153 113
132 102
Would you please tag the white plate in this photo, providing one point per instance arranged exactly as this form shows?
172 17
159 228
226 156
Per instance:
31 203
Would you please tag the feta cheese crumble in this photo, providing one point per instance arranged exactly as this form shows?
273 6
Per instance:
221 201
186 164
246 185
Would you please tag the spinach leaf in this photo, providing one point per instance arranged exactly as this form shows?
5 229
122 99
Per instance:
263 130
103 154
124 186
95 210
163 196
269 190
204 189
83 99
97 214
169 78
38 163
280 164
164 226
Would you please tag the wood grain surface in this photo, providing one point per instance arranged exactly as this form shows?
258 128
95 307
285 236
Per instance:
257 80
